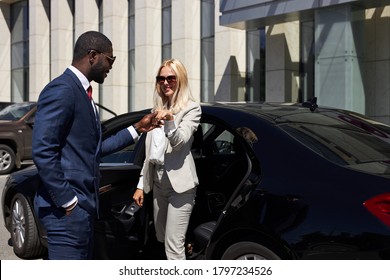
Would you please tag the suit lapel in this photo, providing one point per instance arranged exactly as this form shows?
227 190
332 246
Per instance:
84 98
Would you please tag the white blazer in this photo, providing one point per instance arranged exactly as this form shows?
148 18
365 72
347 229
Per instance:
178 160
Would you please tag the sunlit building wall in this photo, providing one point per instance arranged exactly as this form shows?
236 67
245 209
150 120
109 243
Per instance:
252 51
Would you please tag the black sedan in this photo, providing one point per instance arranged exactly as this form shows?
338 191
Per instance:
277 181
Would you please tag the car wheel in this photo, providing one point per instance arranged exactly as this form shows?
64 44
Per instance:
249 251
7 159
24 233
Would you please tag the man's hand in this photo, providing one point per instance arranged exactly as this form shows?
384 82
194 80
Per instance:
70 208
139 197
162 115
147 123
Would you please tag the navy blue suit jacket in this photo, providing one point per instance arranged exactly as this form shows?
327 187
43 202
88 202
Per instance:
67 145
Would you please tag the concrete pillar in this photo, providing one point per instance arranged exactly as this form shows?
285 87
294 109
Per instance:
39 46
147 51
62 41
282 62
377 64
5 52
86 18
186 40
115 27
338 56
230 50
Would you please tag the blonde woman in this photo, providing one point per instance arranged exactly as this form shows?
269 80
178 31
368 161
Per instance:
169 168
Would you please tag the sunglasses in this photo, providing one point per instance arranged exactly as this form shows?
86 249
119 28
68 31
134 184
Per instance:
169 79
111 59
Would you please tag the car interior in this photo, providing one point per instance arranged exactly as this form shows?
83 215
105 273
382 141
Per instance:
221 167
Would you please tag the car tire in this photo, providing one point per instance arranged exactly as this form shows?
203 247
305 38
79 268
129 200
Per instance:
7 159
246 250
24 232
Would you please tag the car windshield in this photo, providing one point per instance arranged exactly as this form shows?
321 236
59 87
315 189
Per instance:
15 111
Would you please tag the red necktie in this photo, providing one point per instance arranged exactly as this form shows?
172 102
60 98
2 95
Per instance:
89 91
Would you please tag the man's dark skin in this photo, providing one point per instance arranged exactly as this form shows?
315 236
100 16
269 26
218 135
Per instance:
95 66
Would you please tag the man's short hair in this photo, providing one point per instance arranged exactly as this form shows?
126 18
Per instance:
91 40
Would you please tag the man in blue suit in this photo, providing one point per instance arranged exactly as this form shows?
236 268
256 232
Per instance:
67 146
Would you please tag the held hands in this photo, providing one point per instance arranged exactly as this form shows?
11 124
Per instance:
162 115
147 123
139 197
153 120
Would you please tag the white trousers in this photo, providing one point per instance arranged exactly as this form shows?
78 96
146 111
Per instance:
172 212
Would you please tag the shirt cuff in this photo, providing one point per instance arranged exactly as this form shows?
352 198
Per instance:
140 183
66 205
133 132
169 127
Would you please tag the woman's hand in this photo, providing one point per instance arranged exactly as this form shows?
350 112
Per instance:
162 115
139 197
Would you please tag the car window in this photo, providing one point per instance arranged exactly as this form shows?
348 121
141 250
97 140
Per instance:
343 146
131 154
123 156
15 111
219 140
223 144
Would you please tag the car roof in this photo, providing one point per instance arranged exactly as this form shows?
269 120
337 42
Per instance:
238 113
267 111
280 113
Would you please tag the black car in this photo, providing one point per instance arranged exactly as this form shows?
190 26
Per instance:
277 181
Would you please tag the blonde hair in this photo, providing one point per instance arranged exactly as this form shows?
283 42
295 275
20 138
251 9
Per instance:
182 93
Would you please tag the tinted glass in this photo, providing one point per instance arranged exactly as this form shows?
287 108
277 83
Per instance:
15 111
345 145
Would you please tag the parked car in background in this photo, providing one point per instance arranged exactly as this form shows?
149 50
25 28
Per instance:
16 124
4 104
277 181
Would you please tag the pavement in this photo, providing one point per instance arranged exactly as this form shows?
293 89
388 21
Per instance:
6 250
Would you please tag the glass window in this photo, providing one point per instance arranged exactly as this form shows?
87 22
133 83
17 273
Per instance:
166 29
15 111
131 44
19 51
207 50
72 10
345 145
255 65
100 7
208 18
124 156
306 65
223 144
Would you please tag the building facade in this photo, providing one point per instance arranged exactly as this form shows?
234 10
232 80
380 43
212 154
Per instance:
253 50
337 51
